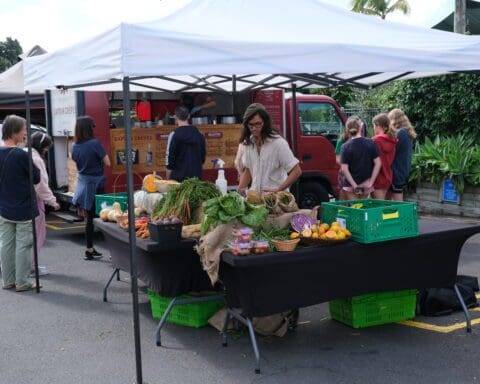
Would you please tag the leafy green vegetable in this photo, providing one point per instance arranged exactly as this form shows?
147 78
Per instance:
183 200
232 203
255 218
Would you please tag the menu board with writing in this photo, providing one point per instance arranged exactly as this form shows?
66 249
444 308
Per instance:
273 100
149 146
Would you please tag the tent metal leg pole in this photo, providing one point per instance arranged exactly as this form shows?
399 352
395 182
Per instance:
33 195
464 307
118 274
115 272
131 228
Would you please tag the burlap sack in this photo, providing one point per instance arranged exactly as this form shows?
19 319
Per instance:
273 325
212 244
291 206
271 202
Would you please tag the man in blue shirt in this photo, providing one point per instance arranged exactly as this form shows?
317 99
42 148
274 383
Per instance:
187 148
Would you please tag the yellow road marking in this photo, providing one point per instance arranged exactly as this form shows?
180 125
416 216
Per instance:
63 229
437 328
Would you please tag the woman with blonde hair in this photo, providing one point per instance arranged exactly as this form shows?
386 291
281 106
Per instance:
386 141
402 162
360 162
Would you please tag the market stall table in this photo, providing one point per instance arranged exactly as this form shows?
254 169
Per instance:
169 269
271 283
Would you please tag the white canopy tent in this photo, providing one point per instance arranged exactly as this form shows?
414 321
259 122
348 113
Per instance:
304 40
238 45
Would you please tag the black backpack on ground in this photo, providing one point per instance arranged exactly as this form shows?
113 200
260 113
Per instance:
443 301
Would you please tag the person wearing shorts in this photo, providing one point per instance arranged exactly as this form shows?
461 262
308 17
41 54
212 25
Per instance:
402 162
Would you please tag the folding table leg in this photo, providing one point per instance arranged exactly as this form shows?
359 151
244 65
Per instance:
464 307
248 322
115 272
224 330
254 344
162 321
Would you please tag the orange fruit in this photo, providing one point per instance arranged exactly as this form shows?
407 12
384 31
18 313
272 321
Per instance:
331 235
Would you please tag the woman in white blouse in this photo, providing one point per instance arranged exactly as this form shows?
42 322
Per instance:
269 164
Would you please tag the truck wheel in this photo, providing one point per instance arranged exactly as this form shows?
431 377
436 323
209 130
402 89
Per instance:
312 194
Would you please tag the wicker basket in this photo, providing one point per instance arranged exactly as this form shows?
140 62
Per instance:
285 245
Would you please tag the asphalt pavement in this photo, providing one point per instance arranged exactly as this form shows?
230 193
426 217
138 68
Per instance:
67 334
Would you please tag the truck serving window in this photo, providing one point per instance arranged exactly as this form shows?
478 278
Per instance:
319 119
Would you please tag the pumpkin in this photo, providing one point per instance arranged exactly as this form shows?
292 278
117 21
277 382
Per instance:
149 182
138 197
145 201
150 200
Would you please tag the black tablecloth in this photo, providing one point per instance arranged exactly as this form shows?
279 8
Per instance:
168 270
275 282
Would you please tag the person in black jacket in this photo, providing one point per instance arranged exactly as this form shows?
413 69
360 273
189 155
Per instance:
187 149
16 211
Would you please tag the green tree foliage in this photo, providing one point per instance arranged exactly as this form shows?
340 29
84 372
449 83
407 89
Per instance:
9 51
342 95
443 105
380 7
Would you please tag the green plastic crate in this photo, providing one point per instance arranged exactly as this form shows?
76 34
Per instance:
374 309
109 199
372 221
194 315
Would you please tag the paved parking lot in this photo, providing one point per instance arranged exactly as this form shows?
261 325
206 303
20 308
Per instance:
68 334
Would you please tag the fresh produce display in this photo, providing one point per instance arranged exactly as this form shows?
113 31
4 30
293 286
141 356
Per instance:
185 199
166 220
110 214
299 222
164 185
145 201
149 182
286 201
141 228
260 246
270 234
324 231
191 231
223 209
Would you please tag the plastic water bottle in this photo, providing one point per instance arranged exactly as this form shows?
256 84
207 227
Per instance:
221 182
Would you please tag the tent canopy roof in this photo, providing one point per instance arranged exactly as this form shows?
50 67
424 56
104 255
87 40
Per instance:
306 41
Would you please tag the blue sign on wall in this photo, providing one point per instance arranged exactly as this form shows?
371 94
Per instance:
449 192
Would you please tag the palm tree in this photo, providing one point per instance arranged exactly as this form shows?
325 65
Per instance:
380 7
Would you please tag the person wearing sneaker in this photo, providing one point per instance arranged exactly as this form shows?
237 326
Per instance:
91 158
41 143
16 211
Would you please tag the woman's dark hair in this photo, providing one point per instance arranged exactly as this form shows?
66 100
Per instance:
267 130
83 129
12 125
40 141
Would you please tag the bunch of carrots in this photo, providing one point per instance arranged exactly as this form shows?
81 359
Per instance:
141 228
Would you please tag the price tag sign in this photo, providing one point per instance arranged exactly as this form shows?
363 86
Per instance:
342 221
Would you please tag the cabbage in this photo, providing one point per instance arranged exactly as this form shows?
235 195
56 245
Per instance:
255 218
299 222
232 203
